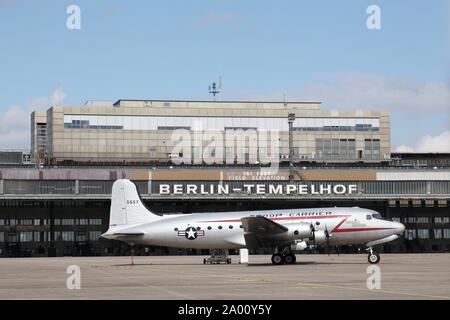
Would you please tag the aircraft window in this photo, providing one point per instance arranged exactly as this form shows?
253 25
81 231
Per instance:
231 227
176 229
379 217
241 226
198 228
369 217
209 228
220 227
317 223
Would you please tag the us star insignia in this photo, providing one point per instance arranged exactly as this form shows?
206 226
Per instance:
191 233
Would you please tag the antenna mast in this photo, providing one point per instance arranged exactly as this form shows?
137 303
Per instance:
215 89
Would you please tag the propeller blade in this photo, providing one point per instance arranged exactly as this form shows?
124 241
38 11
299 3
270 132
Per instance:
327 235
313 230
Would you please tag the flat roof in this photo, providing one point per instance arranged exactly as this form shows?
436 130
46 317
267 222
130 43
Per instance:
219 101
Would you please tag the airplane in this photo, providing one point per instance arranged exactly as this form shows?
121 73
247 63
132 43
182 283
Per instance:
285 231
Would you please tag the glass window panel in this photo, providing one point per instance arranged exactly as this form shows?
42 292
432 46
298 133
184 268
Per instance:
327 122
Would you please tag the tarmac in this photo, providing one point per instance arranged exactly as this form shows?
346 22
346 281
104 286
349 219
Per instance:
345 276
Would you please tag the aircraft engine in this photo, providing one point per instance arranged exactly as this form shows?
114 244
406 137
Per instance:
299 231
321 237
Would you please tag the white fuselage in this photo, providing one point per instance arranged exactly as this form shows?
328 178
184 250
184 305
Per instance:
224 229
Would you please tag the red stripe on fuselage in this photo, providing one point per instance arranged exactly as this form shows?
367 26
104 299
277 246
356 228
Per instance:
358 229
283 218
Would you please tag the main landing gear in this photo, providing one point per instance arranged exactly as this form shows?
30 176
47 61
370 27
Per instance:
373 257
286 256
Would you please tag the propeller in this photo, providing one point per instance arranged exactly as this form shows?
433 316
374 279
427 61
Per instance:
313 237
327 236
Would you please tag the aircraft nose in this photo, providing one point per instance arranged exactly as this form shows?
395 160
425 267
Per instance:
400 227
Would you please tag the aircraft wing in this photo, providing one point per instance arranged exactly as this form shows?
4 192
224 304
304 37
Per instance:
259 230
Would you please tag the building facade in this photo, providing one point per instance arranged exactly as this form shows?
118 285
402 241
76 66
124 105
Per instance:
145 131
38 136
63 211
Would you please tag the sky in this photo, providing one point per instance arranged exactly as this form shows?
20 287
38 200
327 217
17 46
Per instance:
264 50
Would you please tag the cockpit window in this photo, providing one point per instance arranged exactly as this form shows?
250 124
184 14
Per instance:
377 216
369 217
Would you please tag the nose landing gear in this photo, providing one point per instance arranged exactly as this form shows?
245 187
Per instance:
373 257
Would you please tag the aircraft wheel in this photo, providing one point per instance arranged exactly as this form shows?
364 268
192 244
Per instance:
373 258
277 259
289 258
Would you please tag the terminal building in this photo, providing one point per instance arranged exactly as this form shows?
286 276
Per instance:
58 202
141 131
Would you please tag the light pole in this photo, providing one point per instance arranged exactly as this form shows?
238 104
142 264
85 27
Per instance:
291 119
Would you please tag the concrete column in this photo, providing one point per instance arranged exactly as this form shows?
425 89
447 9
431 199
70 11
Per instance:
77 186
149 186
1 186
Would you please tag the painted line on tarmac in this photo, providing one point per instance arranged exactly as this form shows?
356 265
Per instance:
317 285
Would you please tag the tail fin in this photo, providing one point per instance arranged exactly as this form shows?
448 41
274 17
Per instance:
127 207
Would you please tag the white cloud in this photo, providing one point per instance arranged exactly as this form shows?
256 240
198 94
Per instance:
15 121
377 92
428 143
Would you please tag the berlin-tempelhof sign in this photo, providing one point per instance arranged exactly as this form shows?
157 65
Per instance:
257 189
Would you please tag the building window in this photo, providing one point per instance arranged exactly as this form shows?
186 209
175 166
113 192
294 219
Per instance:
57 222
410 234
396 219
2 236
57 235
37 222
67 236
2 222
335 148
437 233
423 234
13 222
423 220
26 222
37 236
26 236
411 219
83 222
94 235
95 222
446 233
67 222
81 236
